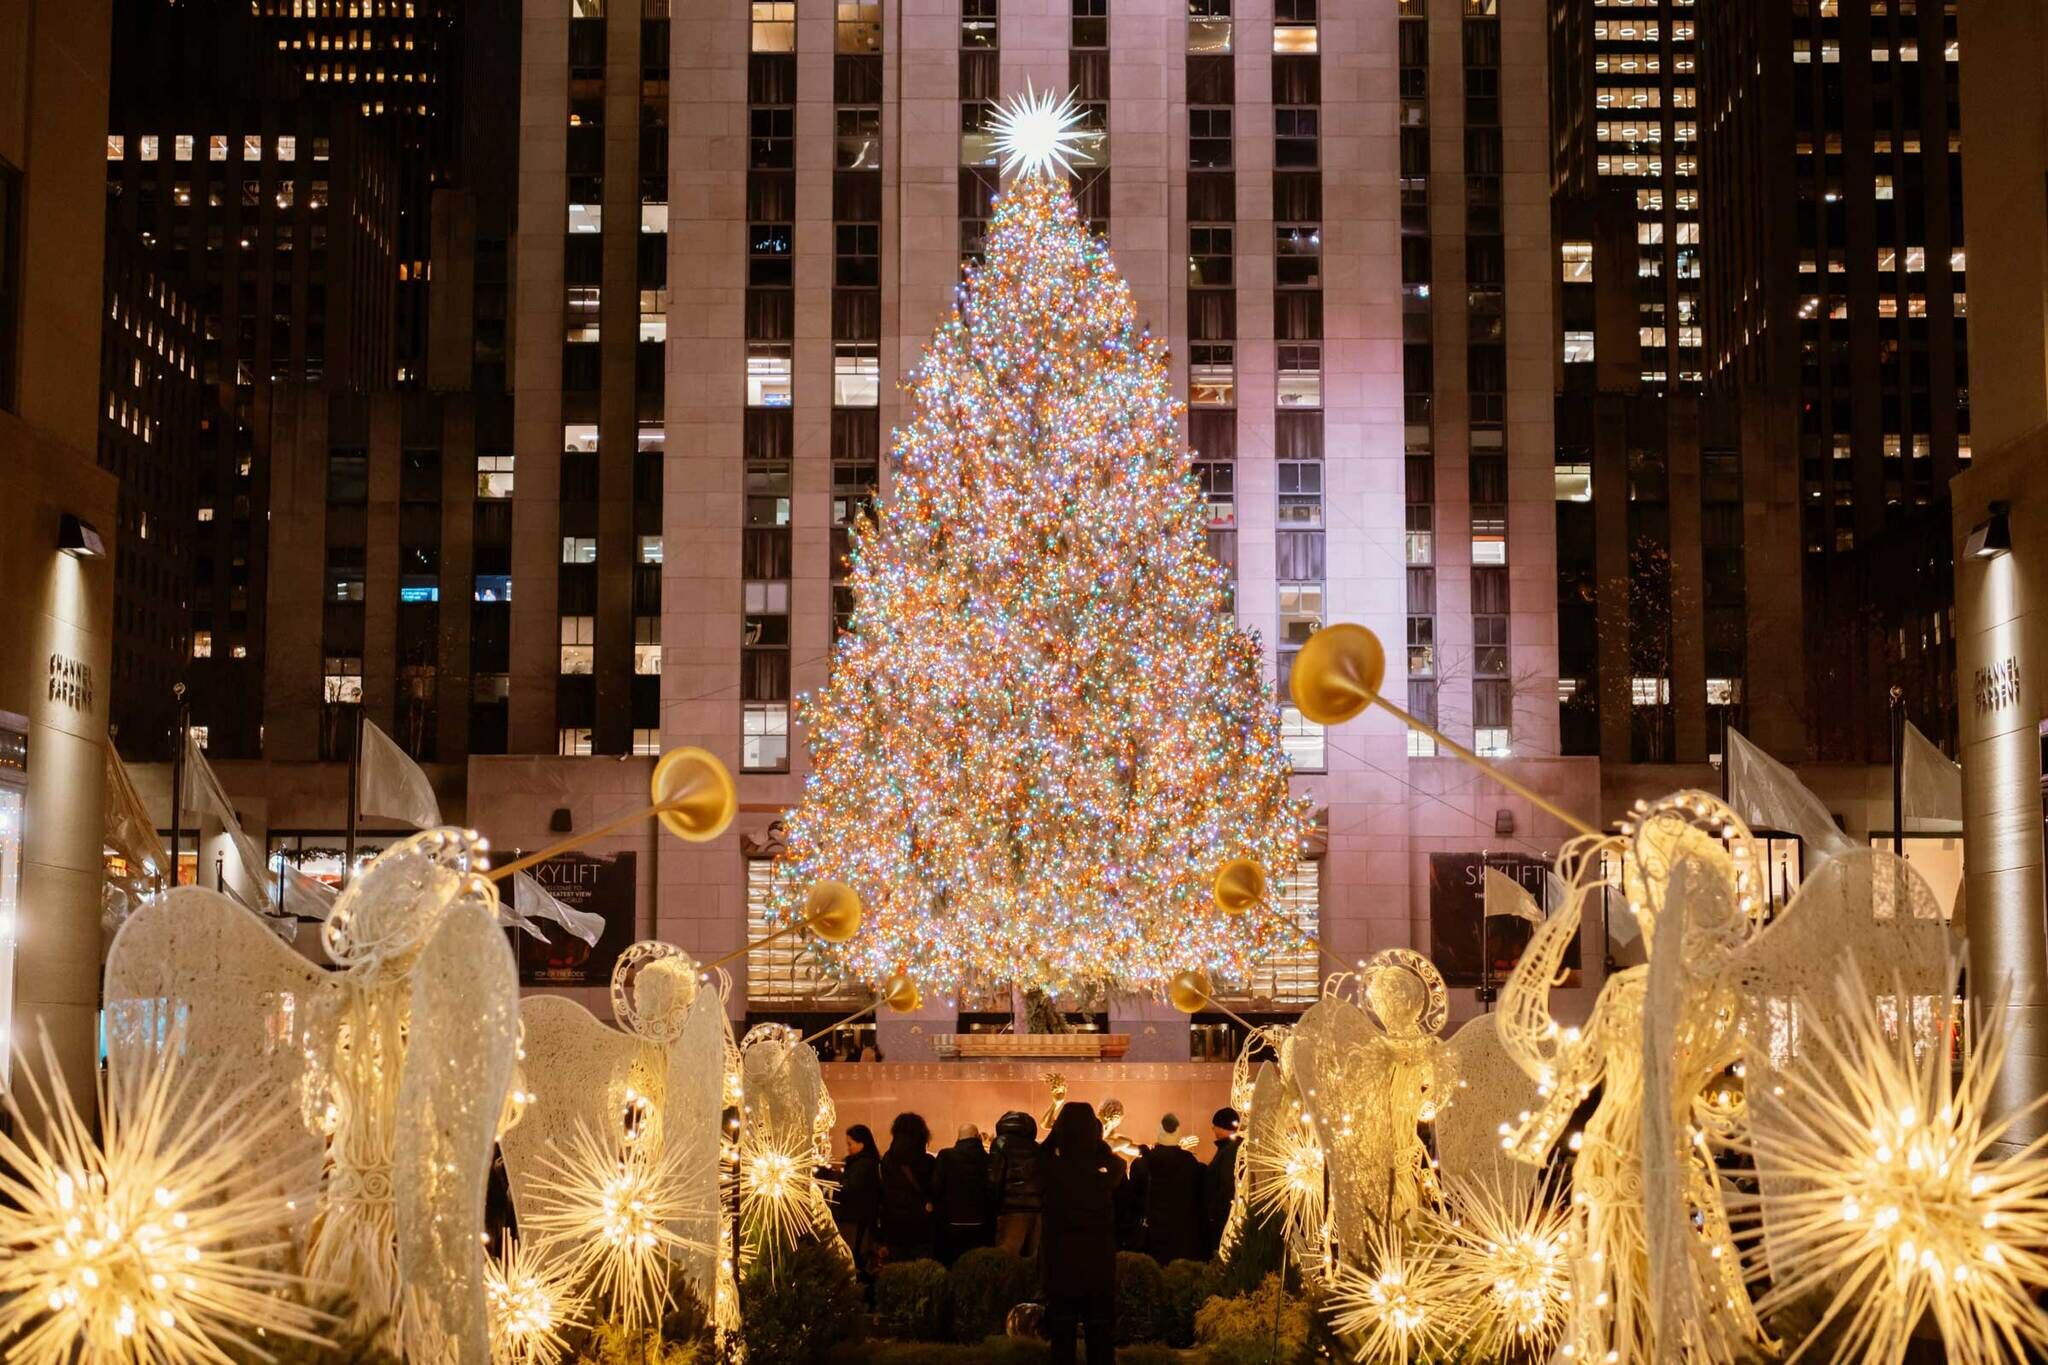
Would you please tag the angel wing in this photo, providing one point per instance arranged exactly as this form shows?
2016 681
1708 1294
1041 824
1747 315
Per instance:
1875 908
459 1060
1334 1059
582 1073
784 1098
1492 1091
195 967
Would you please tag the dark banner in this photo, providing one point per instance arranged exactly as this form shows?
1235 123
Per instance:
1460 935
596 884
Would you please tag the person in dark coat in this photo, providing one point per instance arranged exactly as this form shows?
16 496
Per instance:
1078 1178
960 1193
1219 1184
907 1190
859 1208
1013 1183
1171 1191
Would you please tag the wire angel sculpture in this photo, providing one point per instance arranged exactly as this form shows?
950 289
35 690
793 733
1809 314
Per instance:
1649 1209
399 1062
1370 1076
785 1136
660 1082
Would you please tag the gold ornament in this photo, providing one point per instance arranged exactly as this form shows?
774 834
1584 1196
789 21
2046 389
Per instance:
1189 991
833 911
1240 886
901 994
1338 673
696 794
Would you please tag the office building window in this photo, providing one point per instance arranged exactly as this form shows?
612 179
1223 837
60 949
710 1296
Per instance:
1209 29
785 970
1209 256
764 737
768 374
856 374
494 476
859 26
573 741
578 644
1300 378
341 682
647 742
1298 256
774 26
647 646
1209 134
1301 739
1294 27
858 139
1212 374
579 549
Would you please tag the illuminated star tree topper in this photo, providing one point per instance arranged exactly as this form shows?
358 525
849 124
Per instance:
1045 730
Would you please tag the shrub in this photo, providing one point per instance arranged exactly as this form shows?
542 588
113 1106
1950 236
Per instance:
1188 1285
810 1303
1140 1297
995 1351
1267 1326
1261 1250
985 1285
1148 1353
910 1300
611 1344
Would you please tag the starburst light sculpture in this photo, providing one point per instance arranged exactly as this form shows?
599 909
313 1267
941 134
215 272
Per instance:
1508 1248
613 1210
1038 132
156 1243
1894 1206
1401 1306
531 1300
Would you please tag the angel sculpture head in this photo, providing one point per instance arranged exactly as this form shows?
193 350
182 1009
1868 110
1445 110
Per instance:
654 985
390 909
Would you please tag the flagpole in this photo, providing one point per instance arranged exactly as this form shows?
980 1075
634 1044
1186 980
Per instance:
355 776
1898 718
178 774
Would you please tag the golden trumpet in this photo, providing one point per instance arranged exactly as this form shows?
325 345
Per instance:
694 798
695 793
1189 990
901 994
833 911
1338 674
1240 885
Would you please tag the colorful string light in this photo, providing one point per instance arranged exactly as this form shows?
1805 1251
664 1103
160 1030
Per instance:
1044 731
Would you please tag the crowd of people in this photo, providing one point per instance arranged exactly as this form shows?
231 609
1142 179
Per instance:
1069 1201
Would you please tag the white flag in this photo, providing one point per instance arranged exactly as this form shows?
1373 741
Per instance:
1931 785
301 895
1766 795
531 901
1505 896
391 785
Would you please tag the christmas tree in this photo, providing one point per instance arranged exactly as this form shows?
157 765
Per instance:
1044 731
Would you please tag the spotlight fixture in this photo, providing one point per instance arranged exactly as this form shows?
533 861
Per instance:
1991 537
79 539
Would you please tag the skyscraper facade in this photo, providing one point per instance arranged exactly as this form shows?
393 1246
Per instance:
1762 381
738 223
